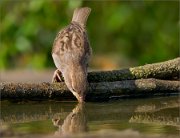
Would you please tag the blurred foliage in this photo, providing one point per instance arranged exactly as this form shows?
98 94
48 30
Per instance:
144 31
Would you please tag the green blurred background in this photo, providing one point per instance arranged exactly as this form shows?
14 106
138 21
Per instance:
121 33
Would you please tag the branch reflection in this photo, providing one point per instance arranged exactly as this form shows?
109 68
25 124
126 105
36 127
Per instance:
161 113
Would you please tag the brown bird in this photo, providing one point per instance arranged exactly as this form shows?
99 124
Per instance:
71 52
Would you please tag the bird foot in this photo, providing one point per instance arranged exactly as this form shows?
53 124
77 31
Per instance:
57 77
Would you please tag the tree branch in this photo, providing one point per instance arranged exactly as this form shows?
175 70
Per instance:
163 70
104 85
97 91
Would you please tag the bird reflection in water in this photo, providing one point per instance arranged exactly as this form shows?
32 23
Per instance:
74 123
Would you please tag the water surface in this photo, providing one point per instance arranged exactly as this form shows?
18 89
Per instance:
149 116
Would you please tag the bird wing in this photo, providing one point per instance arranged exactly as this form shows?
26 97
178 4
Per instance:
71 45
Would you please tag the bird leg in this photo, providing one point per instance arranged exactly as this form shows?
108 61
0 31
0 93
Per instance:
57 77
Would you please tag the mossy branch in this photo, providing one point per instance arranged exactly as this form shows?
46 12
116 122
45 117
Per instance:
162 70
97 91
104 85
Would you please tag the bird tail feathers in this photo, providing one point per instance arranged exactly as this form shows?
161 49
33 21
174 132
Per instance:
81 15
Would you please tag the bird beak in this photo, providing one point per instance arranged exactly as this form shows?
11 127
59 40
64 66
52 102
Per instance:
81 99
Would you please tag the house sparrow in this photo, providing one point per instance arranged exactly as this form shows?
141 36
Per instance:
71 52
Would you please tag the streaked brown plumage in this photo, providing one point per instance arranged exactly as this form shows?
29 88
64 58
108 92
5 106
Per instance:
71 52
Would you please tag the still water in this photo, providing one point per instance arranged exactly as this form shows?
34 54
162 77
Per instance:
147 117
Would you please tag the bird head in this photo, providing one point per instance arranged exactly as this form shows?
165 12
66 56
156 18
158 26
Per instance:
76 80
